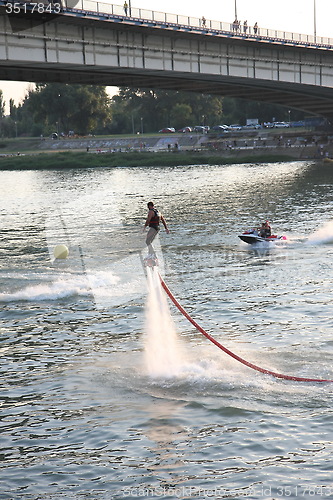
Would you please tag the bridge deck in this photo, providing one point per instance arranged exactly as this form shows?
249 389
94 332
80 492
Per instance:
96 43
101 11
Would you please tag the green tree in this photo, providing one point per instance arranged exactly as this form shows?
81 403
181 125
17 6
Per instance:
56 107
12 109
2 114
2 105
181 114
159 109
239 110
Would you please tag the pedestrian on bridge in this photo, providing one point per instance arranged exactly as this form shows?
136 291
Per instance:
125 8
235 25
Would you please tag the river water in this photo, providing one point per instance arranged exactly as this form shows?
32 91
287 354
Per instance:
104 397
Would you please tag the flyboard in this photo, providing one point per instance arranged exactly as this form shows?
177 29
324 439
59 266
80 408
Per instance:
150 261
152 258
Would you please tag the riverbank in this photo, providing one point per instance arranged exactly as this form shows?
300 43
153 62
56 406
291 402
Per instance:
162 150
65 160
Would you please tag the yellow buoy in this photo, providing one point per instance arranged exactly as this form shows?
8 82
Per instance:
61 252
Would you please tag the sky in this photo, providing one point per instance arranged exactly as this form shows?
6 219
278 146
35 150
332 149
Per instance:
289 15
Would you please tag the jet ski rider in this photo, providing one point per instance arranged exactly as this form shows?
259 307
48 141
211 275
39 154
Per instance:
153 222
265 230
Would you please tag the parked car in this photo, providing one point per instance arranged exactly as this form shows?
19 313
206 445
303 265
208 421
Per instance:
185 130
200 128
252 127
220 128
235 127
281 125
167 130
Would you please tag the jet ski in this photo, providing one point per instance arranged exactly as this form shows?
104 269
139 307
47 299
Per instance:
252 236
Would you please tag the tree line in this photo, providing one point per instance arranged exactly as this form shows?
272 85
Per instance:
88 109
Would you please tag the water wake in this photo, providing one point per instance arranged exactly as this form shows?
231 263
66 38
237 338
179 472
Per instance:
66 285
163 353
324 235
165 356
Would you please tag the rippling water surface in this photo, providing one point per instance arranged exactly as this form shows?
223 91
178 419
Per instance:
103 397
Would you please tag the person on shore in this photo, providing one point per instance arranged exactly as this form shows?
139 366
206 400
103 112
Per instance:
153 220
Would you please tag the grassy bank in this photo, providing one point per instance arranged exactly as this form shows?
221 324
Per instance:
132 159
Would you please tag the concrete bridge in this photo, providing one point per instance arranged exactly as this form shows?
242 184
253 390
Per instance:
96 43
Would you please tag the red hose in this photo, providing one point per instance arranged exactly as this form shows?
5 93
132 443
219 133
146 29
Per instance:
227 351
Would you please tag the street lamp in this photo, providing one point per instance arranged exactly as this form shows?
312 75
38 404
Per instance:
236 9
59 116
133 129
314 20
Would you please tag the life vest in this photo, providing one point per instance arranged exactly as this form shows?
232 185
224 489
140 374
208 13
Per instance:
265 232
155 220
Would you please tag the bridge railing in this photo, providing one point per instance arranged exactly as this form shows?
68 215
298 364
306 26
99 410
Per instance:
194 22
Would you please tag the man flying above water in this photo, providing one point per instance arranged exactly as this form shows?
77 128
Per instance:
153 222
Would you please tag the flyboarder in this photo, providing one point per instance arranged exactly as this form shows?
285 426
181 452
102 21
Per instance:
153 220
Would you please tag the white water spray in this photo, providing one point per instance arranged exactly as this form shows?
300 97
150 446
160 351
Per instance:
323 235
163 353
